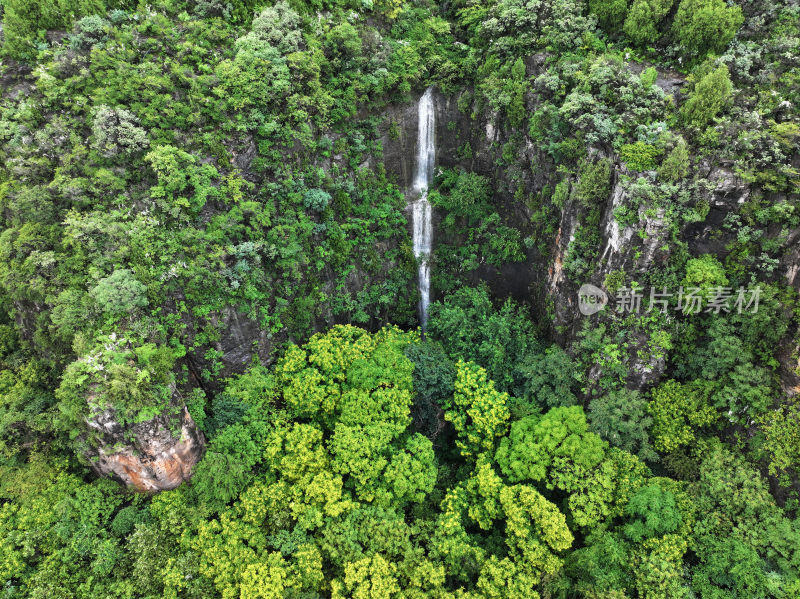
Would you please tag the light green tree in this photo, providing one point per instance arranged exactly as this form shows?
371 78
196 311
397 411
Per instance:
535 534
644 17
710 96
703 26
558 451
679 412
478 411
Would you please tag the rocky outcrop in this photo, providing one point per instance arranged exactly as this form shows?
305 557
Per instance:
668 80
631 249
240 339
155 455
557 283
789 351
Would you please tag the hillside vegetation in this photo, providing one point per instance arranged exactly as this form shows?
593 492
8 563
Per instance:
213 383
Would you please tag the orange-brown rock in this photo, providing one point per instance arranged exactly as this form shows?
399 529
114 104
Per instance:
153 456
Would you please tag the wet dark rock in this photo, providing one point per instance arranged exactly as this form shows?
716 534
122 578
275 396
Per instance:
668 80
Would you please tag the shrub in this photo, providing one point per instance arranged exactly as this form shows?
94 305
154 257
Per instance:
676 165
610 13
640 156
88 32
782 438
468 197
705 272
561 194
504 245
653 512
276 27
71 312
227 466
648 77
226 411
23 19
118 16
316 200
212 8
566 27
709 97
196 402
621 418
516 87
594 182
614 280
549 378
183 186
117 131
703 26
120 293
128 517
343 39
641 24
235 11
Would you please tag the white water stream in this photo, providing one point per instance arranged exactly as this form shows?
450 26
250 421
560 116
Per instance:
422 213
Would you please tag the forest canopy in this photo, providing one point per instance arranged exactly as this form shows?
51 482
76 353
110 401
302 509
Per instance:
230 367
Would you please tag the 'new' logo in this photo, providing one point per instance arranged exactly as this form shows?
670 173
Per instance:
591 299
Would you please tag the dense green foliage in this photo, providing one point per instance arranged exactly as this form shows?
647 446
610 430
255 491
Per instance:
706 25
708 98
203 225
641 24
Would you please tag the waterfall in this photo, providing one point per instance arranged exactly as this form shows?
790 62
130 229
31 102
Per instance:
421 210
426 153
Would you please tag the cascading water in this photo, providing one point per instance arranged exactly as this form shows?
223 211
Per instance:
421 210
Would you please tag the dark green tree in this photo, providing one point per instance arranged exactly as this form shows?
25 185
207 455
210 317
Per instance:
621 418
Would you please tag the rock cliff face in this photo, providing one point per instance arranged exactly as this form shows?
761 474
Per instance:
240 340
148 456
540 281
471 142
